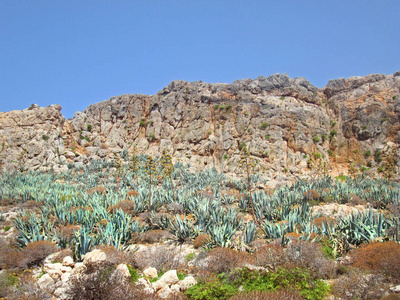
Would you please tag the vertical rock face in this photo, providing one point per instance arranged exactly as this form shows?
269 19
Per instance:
287 124
31 138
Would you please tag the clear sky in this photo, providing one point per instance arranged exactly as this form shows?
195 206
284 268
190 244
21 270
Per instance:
76 53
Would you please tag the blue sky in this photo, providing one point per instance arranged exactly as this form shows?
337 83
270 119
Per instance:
76 53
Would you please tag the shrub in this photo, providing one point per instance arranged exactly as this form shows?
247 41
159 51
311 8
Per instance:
45 137
142 123
270 295
201 240
297 279
100 282
223 260
89 127
62 254
357 285
127 207
155 236
161 258
9 257
211 289
35 252
114 256
270 256
264 125
132 193
381 258
308 255
23 287
315 139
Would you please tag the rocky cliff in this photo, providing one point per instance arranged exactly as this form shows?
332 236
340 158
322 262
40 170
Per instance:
290 127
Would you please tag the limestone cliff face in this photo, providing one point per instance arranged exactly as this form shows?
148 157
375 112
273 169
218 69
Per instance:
289 126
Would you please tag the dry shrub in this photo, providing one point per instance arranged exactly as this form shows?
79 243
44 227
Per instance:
25 289
320 220
312 195
175 208
161 258
127 207
35 252
114 256
66 233
59 256
358 285
391 297
155 236
31 204
99 281
7 201
223 260
201 240
381 258
356 200
132 193
270 256
305 254
100 190
9 257
271 295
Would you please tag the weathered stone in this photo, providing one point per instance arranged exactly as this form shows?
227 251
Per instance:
94 256
46 283
68 261
168 279
150 272
187 282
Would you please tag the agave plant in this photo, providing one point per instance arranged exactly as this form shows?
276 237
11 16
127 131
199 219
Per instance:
182 229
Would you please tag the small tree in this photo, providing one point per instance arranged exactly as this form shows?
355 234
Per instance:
247 164
134 166
150 169
168 169
118 168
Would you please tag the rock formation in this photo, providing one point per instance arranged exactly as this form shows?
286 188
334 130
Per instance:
290 127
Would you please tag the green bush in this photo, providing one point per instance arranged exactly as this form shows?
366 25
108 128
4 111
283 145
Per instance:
264 125
45 137
297 278
315 139
89 127
214 289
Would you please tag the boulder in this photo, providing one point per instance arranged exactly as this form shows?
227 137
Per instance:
150 272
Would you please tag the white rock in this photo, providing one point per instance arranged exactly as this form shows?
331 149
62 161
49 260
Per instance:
54 270
168 279
79 269
123 271
46 283
65 277
68 262
165 292
175 288
150 272
65 269
187 282
61 292
94 256
395 289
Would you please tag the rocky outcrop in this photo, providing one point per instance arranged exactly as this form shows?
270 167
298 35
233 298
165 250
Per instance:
289 126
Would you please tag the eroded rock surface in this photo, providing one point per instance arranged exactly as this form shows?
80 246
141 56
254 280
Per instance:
287 124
